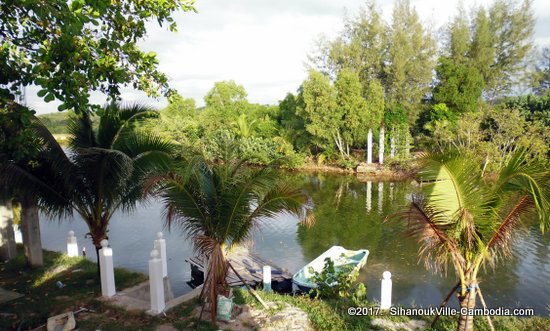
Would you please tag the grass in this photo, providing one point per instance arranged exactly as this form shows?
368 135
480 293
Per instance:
332 315
43 299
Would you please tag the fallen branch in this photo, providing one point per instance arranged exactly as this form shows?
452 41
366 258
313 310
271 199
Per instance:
251 290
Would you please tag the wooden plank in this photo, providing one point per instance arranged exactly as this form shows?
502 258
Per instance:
250 268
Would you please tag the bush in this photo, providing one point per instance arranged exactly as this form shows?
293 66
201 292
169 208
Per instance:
337 282
255 150
347 163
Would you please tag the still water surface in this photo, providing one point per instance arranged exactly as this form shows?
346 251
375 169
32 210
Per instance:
349 213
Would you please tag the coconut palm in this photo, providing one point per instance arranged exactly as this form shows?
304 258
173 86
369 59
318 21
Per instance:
217 206
468 220
102 172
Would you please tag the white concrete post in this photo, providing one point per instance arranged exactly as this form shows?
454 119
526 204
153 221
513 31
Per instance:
156 283
107 270
267 278
385 295
72 245
369 196
381 140
160 246
369 146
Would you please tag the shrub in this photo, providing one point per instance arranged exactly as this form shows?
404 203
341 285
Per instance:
335 282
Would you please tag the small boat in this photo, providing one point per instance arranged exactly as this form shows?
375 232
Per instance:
339 255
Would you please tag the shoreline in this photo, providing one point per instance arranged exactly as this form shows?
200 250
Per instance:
373 172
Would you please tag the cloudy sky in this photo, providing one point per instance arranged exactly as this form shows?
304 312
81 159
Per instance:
263 44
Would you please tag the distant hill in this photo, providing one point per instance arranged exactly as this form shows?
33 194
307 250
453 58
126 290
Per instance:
56 122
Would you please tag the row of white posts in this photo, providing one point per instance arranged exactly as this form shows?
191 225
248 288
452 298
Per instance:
158 269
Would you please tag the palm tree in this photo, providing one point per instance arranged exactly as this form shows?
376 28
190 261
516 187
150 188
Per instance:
103 170
217 206
468 220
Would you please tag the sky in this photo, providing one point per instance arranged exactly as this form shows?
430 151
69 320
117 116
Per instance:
263 44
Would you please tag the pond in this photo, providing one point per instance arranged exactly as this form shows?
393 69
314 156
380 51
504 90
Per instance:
349 213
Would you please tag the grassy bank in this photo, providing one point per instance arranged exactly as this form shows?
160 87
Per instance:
43 298
332 315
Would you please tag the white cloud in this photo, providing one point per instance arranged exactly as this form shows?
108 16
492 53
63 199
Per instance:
263 44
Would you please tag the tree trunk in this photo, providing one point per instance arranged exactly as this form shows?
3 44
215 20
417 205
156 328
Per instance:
382 139
467 302
97 236
218 267
30 229
338 142
7 236
369 146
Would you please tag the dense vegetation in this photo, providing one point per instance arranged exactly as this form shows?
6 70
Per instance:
376 79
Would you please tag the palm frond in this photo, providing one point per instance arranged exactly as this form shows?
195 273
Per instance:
17 181
532 178
428 225
138 142
117 118
499 245
81 131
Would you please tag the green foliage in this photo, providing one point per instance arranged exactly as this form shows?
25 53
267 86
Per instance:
318 111
399 55
459 85
17 140
534 108
512 25
177 122
360 47
57 122
71 48
488 53
338 116
347 164
490 136
292 125
410 59
224 103
255 150
359 295
439 117
374 95
333 282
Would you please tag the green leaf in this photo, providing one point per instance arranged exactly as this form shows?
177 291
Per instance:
49 97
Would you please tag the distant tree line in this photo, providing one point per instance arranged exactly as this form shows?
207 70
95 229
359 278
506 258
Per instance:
392 80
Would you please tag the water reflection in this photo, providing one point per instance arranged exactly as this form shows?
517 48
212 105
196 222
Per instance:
344 219
350 213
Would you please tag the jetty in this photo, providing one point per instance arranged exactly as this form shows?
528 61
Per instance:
249 266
